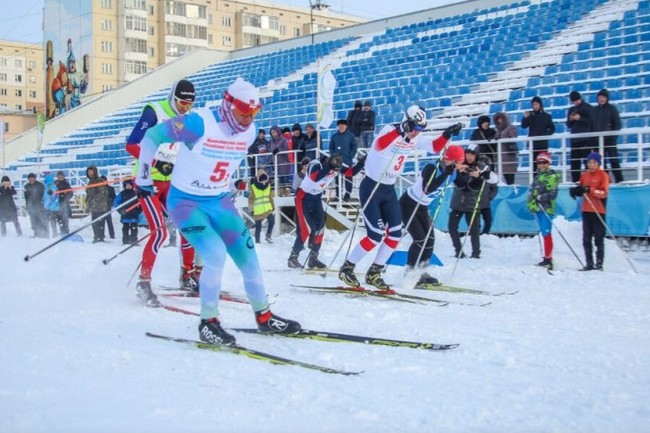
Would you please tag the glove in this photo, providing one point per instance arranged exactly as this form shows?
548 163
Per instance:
165 168
586 189
49 192
240 185
452 130
145 191
576 191
449 169
275 151
361 160
405 127
336 162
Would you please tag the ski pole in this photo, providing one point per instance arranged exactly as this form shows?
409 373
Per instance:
107 261
602 221
61 239
562 236
137 268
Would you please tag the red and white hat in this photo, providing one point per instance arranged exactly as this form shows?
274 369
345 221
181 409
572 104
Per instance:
454 153
243 96
544 156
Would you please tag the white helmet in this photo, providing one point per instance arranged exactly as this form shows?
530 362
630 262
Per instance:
417 114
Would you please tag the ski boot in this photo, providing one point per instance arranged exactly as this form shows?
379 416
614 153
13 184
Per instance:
346 274
269 322
210 331
599 265
588 267
146 295
546 263
269 239
187 281
426 282
314 263
293 262
373 277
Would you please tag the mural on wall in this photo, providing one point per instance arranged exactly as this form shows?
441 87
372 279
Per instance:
66 32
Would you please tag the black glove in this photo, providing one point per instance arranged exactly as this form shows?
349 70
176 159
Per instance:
145 191
449 169
275 151
335 162
49 192
452 130
240 185
164 168
586 189
361 160
576 191
406 126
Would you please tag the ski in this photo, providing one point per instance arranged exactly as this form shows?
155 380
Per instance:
337 337
224 296
453 289
179 310
253 354
362 291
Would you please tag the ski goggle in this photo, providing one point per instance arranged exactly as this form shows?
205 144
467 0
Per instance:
184 102
241 107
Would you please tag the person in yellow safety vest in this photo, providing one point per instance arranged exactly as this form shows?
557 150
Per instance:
152 200
261 206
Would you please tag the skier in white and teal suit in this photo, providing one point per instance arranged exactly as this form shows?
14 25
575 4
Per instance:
215 142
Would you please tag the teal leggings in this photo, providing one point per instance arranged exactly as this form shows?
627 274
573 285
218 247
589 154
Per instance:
213 227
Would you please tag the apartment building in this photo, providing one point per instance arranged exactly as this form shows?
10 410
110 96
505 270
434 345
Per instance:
21 86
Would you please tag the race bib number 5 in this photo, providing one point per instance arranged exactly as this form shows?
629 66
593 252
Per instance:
220 171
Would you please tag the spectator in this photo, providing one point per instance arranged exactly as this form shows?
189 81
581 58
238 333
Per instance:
354 120
111 199
579 120
541 202
297 140
261 206
262 148
469 182
485 202
310 143
96 202
606 118
509 149
594 188
8 210
65 196
279 148
343 143
483 132
34 192
129 215
366 126
539 123
51 204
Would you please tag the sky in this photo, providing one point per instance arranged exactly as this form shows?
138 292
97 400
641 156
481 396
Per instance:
22 20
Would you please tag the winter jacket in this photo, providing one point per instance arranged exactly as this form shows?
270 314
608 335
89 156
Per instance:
64 197
466 191
34 195
131 213
584 124
96 197
354 122
309 146
606 118
366 120
486 149
509 149
280 144
598 183
543 191
344 144
539 123
8 211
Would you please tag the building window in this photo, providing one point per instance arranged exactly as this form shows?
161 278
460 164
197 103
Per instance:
226 41
136 45
18 78
32 79
283 29
226 22
251 20
195 11
107 69
3 76
209 18
152 30
175 50
18 93
274 23
251 40
19 107
151 10
136 4
3 92
107 46
18 63
152 52
136 23
107 4
106 87
32 94
197 32
175 8
133 67
107 25
3 61
296 32
31 65
210 38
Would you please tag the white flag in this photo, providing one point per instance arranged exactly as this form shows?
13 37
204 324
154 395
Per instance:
326 86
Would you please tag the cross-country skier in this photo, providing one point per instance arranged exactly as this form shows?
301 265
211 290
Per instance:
213 143
381 212
179 101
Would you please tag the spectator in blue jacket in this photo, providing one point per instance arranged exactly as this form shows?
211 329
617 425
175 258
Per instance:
344 143
129 215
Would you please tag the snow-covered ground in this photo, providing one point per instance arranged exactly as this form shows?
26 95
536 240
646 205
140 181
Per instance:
568 353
